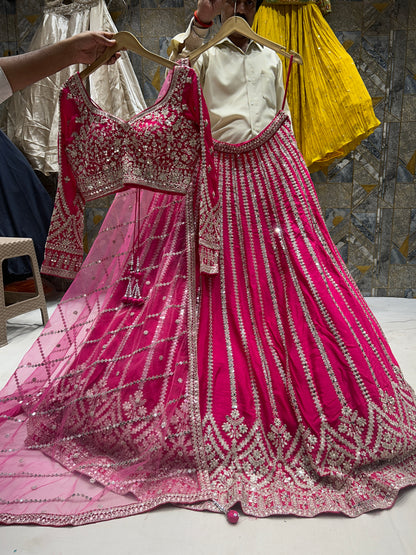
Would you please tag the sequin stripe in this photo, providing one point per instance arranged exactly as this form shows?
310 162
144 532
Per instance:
87 435
328 246
321 237
283 170
370 343
82 467
209 200
374 345
148 239
336 295
321 230
297 162
226 182
210 348
259 194
240 282
122 351
90 432
251 269
161 226
193 374
138 350
272 177
31 474
74 327
99 515
131 353
46 363
282 193
91 396
117 263
181 321
153 256
144 320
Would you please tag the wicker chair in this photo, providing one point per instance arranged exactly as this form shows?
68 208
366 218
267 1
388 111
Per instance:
14 304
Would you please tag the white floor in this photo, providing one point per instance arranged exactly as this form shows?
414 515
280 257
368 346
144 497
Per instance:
179 531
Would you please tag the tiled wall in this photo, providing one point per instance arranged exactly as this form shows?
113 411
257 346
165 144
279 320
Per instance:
368 198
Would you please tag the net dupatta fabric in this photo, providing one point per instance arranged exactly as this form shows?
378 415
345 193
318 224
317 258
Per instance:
268 383
101 154
127 439
140 386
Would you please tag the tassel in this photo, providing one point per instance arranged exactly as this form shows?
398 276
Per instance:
133 293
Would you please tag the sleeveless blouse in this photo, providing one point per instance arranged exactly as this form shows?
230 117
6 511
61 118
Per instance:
167 147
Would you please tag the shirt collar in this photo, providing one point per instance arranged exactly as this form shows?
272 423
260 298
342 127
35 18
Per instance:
252 45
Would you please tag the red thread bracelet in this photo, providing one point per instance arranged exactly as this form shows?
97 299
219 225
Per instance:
201 23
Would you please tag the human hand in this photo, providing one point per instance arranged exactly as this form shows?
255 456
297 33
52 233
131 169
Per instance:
88 46
208 9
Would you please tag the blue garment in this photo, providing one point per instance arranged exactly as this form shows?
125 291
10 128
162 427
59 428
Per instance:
25 207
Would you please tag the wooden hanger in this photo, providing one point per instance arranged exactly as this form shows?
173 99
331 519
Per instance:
239 25
125 41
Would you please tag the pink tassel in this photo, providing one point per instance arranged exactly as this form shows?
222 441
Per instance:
133 293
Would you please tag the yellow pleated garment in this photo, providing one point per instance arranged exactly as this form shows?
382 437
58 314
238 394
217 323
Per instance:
332 111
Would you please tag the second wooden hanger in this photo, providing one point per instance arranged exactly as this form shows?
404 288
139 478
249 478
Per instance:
240 26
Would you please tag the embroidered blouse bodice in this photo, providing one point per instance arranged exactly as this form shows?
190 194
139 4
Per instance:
167 147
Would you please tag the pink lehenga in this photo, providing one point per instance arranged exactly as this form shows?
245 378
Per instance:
265 380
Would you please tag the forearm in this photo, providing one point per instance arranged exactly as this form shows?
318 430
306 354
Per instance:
25 69
182 44
198 29
83 48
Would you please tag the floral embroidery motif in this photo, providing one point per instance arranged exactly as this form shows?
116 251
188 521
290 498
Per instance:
166 148
234 426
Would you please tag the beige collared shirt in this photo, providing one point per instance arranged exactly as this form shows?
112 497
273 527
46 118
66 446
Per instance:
5 88
243 90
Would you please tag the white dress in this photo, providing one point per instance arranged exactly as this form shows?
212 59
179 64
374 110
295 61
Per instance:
33 125
5 89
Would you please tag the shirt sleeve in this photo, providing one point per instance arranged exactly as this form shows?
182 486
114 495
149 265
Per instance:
5 88
181 45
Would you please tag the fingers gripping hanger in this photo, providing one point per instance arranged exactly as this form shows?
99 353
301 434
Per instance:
239 25
125 41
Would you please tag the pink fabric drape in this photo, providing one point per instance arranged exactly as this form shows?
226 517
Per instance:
269 383
166 148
